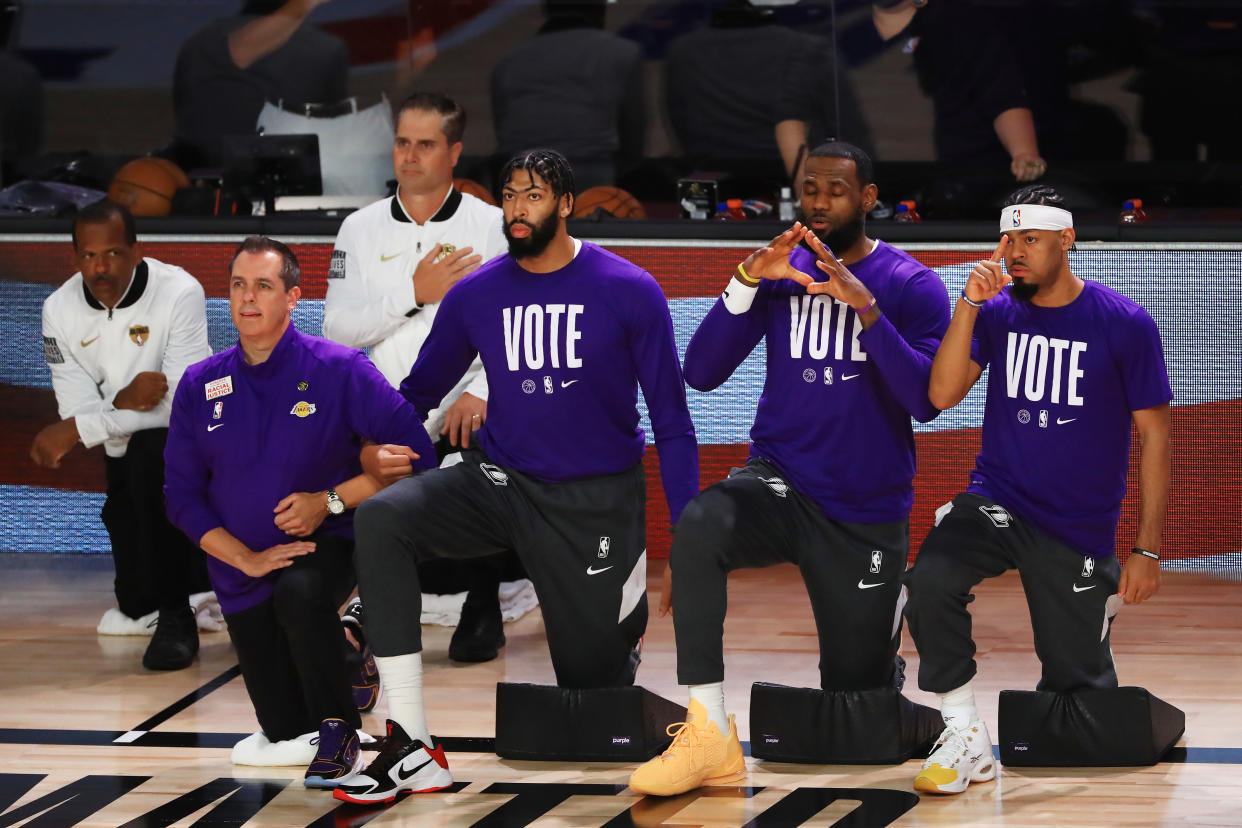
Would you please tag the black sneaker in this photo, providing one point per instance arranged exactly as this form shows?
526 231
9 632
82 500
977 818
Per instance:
339 756
404 765
175 642
351 619
481 631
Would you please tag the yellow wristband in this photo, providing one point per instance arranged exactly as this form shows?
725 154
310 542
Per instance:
746 277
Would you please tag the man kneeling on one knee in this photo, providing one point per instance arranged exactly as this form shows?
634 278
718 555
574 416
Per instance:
1046 490
568 332
262 468
850 333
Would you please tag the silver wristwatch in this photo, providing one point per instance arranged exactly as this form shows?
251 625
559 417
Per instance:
336 506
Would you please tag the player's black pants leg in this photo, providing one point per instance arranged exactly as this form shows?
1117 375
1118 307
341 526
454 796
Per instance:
292 647
978 539
480 629
756 519
582 543
155 563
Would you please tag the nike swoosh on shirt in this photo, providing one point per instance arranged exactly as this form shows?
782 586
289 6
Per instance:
593 571
862 585
86 342
845 377
384 258
401 775
1077 588
214 427
1063 422
567 383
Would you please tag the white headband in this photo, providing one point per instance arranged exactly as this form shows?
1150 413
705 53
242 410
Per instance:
1035 217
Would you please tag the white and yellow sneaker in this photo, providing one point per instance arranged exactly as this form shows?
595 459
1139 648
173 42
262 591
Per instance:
959 758
699 755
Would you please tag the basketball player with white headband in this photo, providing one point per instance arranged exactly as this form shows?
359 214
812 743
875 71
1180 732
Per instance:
1073 363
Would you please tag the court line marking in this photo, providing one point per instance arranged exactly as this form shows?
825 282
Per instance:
189 699
452 744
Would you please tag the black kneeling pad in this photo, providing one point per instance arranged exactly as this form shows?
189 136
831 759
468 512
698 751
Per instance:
1125 726
839 727
604 724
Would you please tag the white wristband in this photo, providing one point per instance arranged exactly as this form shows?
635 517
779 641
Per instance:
739 296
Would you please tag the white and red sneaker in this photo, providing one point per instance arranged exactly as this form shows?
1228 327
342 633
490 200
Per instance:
404 766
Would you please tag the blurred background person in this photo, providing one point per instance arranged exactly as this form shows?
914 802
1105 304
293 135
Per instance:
745 87
575 88
229 68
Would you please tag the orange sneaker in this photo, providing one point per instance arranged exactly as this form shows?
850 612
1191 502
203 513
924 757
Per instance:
699 755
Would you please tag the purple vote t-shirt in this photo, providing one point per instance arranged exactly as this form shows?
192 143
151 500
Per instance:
837 400
1056 425
565 354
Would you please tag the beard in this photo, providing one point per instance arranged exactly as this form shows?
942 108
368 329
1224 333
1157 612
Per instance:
839 239
541 235
1022 289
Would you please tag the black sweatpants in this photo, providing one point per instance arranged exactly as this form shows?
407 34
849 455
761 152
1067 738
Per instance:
852 573
976 538
445 576
157 567
292 647
582 542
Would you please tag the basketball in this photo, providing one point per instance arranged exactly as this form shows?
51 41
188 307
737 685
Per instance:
612 200
474 188
146 186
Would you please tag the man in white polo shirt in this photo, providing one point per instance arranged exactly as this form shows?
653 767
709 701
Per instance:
117 335
394 261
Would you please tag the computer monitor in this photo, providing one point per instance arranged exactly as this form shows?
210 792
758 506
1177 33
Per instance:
267 166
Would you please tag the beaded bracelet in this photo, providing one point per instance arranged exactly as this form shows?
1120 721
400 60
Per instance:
970 301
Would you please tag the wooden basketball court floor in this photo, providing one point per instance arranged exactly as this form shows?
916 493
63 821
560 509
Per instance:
90 738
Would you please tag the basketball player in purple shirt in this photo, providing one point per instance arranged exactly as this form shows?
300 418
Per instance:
828 485
568 333
1073 363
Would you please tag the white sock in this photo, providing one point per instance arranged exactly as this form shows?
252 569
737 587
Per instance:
403 684
711 696
958 707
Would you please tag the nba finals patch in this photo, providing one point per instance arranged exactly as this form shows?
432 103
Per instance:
336 268
220 387
303 409
139 334
51 351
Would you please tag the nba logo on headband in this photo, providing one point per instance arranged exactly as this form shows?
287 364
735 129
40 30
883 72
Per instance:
1035 217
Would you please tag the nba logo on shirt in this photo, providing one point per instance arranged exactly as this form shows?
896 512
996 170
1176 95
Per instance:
547 385
218 410
828 375
605 543
1088 566
877 558
1043 418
